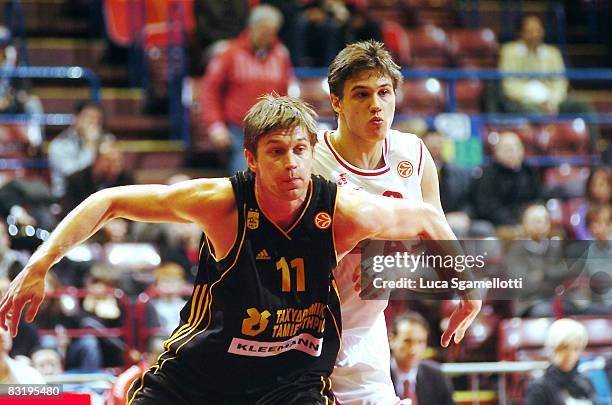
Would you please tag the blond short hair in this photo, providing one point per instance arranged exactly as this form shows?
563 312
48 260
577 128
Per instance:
564 331
273 112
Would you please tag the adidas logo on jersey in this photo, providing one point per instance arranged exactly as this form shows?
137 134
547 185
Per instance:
263 255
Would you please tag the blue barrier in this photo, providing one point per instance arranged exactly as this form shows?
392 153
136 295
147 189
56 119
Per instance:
51 72
57 72
451 76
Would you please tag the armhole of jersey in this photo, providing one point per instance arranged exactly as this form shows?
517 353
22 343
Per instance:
333 227
419 172
240 214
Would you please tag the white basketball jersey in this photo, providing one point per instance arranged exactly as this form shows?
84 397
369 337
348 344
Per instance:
362 369
400 177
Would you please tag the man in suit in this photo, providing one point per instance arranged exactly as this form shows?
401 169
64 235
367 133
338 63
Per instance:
418 381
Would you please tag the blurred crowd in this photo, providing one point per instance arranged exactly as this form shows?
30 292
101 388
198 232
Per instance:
243 53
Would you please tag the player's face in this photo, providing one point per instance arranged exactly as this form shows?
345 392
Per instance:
566 355
283 163
367 106
409 344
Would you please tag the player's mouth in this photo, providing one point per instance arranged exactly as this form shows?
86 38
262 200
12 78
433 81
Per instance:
378 121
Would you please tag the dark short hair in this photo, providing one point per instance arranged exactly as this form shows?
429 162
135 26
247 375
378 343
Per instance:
411 317
83 104
594 212
361 57
273 112
594 171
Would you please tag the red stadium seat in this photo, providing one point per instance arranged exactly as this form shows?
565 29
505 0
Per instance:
474 47
424 96
397 42
469 95
13 141
429 47
564 138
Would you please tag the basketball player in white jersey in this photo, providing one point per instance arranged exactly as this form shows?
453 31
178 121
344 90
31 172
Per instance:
365 153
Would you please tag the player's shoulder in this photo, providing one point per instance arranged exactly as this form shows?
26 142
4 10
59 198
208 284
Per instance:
403 138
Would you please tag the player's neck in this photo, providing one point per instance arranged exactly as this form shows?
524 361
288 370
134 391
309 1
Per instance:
357 151
280 211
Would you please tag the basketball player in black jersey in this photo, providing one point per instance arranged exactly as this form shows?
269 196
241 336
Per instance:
263 323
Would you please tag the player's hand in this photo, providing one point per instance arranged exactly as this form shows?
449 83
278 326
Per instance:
220 137
461 319
27 289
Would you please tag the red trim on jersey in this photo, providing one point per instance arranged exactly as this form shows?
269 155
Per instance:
420 157
376 172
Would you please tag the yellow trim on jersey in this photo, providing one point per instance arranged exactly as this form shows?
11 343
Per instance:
185 329
297 221
323 387
179 331
334 318
210 293
139 388
233 243
208 303
286 233
333 230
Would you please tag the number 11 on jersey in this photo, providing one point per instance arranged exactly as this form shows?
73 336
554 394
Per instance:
297 264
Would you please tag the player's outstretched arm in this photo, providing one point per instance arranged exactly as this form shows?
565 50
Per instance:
202 201
362 216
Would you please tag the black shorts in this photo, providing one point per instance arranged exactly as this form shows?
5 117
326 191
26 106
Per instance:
158 387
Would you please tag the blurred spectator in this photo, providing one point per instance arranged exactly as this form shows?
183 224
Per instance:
319 32
10 260
47 361
106 171
360 27
170 286
562 384
598 191
254 64
219 20
599 258
507 184
62 313
103 311
178 243
456 188
27 201
14 92
75 147
538 260
536 95
416 379
13 371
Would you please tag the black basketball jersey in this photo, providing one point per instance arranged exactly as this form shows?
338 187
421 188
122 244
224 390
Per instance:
263 321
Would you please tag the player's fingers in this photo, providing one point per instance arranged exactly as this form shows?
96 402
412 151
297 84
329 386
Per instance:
16 316
454 322
33 308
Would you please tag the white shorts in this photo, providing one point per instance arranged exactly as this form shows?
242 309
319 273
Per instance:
362 375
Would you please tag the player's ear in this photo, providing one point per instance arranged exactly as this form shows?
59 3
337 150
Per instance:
335 102
250 159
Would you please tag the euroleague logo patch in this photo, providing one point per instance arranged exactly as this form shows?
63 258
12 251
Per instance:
405 168
322 220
